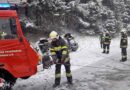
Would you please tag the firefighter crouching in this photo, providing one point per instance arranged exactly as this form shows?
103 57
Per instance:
106 43
123 45
60 55
46 58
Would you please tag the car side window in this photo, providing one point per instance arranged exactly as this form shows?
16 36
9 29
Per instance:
8 28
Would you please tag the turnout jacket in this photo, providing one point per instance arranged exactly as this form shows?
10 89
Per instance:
107 39
123 42
59 49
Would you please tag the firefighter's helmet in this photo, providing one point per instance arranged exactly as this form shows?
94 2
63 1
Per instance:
43 40
123 30
107 33
67 35
53 35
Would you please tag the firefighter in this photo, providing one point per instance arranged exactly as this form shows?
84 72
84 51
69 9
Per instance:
123 45
44 48
106 43
60 55
68 38
101 39
43 44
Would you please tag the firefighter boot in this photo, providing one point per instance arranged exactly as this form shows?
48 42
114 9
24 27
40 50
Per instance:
57 82
107 52
104 51
123 60
56 85
70 80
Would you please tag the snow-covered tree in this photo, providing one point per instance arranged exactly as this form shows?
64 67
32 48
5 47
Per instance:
80 15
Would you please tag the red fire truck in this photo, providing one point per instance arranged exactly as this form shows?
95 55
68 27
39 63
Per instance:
17 58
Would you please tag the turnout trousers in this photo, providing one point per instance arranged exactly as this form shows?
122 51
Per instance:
106 48
58 72
124 53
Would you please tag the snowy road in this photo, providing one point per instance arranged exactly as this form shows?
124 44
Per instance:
91 70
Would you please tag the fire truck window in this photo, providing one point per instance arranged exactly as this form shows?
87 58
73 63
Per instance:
8 29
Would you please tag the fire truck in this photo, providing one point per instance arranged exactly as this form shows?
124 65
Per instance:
17 58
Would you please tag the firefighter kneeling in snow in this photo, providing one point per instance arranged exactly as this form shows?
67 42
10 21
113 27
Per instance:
123 45
106 43
60 55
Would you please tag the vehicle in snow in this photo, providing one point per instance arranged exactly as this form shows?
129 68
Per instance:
17 58
42 47
72 44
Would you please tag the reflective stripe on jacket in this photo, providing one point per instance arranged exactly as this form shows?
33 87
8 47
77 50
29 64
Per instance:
59 48
107 40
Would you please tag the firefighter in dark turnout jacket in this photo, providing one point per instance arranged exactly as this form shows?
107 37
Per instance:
60 55
123 46
106 43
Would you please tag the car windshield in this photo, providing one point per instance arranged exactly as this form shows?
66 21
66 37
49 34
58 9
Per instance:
8 28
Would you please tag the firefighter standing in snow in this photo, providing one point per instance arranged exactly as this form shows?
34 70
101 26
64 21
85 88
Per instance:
60 55
106 43
101 39
123 45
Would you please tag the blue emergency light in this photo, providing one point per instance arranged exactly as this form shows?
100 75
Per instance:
8 6
5 5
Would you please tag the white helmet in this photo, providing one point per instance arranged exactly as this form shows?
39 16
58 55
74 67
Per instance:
53 35
123 30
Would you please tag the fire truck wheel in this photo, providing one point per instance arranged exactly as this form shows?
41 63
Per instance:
6 81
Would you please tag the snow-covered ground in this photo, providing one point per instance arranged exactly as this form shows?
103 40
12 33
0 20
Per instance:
91 69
